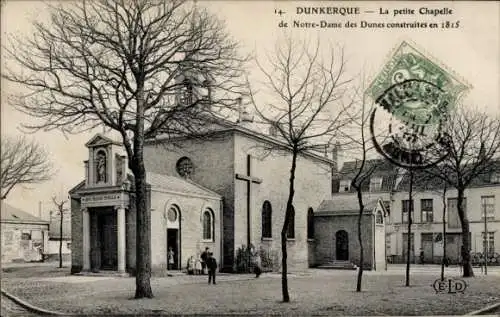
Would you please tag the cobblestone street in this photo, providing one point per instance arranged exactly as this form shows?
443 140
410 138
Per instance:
317 292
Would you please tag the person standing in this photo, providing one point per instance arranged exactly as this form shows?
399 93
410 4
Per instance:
191 266
257 262
212 268
204 257
197 266
171 260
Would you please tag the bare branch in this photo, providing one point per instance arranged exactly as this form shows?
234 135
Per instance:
85 68
473 147
23 162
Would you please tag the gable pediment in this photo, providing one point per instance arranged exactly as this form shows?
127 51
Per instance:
100 140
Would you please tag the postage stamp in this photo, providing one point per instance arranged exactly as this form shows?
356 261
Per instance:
415 96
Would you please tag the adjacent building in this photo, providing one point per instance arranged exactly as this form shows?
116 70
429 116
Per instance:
337 235
427 239
24 236
427 231
380 182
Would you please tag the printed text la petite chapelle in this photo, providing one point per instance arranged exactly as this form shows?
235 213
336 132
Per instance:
366 18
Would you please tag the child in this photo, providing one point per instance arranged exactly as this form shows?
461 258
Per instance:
191 265
197 267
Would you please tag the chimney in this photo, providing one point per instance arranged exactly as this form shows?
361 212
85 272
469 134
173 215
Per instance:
336 156
207 97
244 118
40 209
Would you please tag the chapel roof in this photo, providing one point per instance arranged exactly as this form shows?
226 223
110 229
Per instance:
346 205
164 183
178 185
14 215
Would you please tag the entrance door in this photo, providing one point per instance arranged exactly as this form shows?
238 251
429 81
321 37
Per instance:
173 244
428 247
109 244
342 245
173 215
453 245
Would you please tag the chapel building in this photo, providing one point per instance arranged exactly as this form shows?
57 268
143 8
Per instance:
224 192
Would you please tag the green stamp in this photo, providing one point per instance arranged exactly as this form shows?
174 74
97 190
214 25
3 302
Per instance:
415 96
415 88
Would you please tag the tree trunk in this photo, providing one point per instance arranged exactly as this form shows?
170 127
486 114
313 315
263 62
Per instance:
61 239
410 210
444 234
289 206
465 250
143 219
361 249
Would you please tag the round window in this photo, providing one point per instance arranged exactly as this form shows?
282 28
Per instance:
172 215
184 167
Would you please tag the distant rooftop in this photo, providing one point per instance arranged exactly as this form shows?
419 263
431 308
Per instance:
345 205
10 214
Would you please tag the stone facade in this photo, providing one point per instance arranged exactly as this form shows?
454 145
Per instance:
213 168
312 186
217 161
189 224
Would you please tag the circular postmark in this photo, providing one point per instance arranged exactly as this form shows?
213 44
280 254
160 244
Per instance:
409 132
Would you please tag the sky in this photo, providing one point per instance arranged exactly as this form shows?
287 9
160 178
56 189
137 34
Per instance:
470 50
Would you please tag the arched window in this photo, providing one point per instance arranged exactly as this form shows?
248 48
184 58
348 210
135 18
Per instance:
208 225
310 223
290 232
267 231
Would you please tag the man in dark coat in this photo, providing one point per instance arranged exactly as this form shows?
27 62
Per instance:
204 257
212 267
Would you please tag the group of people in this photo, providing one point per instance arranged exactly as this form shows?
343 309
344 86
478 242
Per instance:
203 265
208 264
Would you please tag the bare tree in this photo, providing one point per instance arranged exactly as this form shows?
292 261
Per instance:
410 221
358 138
141 68
444 261
364 171
59 203
23 161
305 108
473 146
